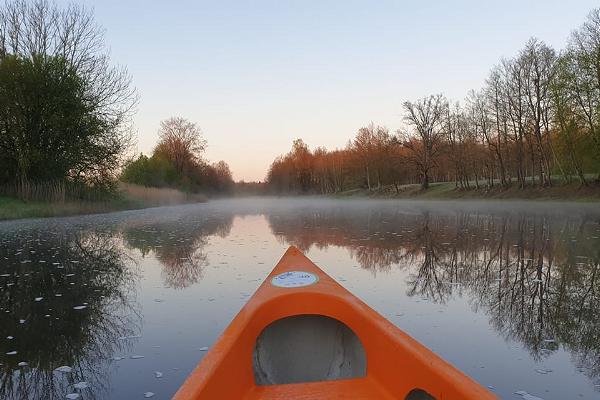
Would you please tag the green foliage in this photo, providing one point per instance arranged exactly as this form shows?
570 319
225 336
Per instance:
177 162
44 117
158 171
64 110
153 172
50 131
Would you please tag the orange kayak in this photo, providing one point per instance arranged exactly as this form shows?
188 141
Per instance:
303 336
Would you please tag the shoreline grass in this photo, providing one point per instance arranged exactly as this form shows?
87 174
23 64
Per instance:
12 208
130 197
572 192
138 197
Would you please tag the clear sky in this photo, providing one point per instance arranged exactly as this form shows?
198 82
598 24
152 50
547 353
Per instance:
255 75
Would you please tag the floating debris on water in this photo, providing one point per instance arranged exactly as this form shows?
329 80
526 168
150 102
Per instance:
72 396
79 307
527 396
135 357
543 371
203 348
158 374
81 385
64 368
11 353
39 298
22 364
147 395
130 337
118 358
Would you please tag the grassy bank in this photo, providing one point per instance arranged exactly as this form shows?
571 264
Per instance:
11 208
129 197
448 191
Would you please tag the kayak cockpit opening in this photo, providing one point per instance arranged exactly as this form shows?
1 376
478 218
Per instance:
307 348
419 394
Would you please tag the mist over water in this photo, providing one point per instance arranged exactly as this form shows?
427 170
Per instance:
508 292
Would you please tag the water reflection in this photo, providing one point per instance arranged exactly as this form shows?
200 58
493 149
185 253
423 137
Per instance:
179 246
534 275
66 298
529 277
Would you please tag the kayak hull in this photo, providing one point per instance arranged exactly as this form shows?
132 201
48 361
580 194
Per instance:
397 366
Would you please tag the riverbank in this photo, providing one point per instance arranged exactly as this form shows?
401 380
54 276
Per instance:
129 197
448 191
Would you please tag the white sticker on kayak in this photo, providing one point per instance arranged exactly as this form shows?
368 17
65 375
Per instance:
293 279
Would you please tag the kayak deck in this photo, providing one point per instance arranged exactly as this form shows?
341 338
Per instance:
303 336
351 389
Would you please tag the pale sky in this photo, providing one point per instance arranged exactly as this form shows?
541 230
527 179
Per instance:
254 75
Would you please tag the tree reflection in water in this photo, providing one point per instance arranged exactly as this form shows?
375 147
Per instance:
535 276
43 276
178 246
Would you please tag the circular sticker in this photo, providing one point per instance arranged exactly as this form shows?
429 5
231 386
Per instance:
293 279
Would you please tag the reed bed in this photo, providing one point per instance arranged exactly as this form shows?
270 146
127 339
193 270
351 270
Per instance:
56 192
158 196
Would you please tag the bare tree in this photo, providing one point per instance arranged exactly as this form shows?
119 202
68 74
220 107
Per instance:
41 28
456 133
517 111
425 116
584 77
539 68
496 99
571 133
364 148
483 123
181 142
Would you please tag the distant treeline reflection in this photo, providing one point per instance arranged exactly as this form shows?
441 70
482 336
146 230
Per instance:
178 246
535 276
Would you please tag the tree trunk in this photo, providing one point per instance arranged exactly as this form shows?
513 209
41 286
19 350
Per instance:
425 180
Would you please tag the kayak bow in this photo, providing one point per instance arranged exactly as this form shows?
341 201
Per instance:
303 336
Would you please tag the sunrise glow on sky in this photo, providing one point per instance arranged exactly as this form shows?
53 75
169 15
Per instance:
256 75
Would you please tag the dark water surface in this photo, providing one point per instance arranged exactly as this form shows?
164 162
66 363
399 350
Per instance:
509 293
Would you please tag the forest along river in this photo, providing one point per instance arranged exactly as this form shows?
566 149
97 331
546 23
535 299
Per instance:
124 305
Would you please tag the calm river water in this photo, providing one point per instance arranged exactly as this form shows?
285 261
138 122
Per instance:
115 306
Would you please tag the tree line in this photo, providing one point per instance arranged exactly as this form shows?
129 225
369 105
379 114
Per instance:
66 114
535 121
177 162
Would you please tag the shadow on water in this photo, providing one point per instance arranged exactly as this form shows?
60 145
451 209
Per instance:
536 276
66 299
